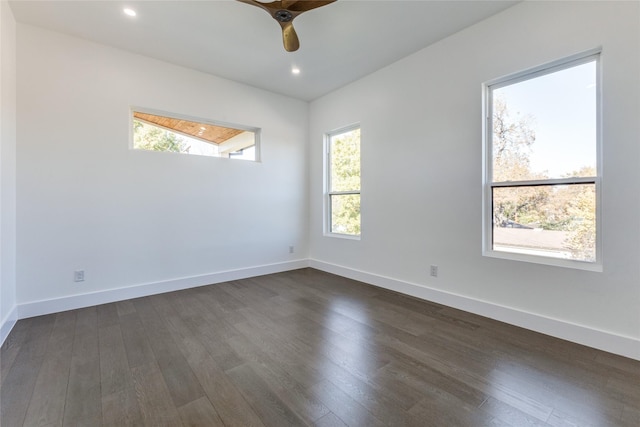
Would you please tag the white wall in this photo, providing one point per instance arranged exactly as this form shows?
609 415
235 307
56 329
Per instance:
135 219
137 224
8 313
422 175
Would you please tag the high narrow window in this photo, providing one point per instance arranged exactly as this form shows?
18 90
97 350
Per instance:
542 175
342 202
161 132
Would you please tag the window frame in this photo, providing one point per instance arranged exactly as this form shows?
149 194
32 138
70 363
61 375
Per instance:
255 130
593 55
327 212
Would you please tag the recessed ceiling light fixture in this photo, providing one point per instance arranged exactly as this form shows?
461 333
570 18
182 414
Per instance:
129 11
295 70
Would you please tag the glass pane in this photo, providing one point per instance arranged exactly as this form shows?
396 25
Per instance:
345 161
554 221
545 127
345 214
162 133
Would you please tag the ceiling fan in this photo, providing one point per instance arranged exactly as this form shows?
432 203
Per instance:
284 11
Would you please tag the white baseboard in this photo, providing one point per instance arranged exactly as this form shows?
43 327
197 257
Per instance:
72 302
602 340
8 323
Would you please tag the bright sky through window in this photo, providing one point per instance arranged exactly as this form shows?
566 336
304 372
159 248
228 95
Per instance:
562 106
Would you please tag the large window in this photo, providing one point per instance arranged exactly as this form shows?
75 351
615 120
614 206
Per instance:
542 174
342 202
155 131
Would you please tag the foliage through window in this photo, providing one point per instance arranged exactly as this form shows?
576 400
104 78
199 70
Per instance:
343 182
542 180
156 132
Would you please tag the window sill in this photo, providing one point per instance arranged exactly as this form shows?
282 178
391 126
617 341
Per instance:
536 259
342 236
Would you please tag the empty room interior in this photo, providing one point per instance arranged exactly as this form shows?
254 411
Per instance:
334 213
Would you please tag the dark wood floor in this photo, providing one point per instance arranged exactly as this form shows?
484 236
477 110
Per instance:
302 348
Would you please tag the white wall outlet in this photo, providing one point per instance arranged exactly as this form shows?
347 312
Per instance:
291 249
78 276
433 271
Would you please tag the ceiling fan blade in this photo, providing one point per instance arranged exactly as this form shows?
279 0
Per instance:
251 2
296 7
303 6
270 8
289 37
284 12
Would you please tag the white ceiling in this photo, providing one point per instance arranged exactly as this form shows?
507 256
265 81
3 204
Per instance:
339 43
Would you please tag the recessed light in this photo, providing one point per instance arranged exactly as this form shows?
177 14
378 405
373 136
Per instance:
295 70
129 12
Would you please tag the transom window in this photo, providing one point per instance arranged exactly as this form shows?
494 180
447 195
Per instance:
542 174
164 132
342 201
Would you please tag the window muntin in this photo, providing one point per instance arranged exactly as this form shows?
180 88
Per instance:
343 182
155 131
542 167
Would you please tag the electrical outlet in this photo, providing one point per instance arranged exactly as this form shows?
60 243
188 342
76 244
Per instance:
291 249
78 276
433 271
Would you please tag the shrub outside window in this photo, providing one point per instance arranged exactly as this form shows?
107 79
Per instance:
342 201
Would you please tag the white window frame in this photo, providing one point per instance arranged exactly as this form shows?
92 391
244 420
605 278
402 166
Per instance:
488 184
327 183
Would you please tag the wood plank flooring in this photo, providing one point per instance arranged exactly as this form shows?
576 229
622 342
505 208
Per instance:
302 348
